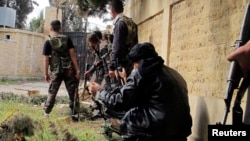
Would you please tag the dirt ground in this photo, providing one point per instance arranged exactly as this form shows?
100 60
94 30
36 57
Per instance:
36 87
40 87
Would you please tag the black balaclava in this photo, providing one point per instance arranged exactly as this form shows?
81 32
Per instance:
150 61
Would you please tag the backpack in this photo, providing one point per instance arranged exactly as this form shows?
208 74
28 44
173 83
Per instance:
132 37
60 58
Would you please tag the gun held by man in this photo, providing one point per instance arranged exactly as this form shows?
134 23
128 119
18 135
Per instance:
119 70
76 104
235 78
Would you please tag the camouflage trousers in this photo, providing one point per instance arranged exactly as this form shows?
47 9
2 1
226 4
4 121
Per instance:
71 84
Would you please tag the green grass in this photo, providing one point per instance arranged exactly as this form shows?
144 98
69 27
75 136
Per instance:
58 127
24 112
3 82
8 80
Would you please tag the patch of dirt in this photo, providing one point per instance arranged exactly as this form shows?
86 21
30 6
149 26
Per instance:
40 88
30 88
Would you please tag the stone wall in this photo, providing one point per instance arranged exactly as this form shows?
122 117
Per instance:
200 38
151 31
21 54
51 13
194 37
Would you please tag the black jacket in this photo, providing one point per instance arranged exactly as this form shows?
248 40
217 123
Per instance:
156 100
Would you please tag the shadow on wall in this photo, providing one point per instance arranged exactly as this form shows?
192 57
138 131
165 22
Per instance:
200 121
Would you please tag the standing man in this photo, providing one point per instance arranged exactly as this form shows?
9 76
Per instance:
60 60
125 37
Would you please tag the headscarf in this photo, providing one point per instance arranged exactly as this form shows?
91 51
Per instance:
150 63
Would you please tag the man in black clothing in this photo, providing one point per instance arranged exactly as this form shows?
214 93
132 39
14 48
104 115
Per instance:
154 97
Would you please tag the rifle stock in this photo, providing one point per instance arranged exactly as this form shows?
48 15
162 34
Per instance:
235 78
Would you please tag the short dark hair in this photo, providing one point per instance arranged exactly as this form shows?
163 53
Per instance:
55 25
92 37
117 5
98 33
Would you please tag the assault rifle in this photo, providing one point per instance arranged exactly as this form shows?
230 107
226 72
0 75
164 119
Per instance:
118 70
235 78
85 87
102 63
76 103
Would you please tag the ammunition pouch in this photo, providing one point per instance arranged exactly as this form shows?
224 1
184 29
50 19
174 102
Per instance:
60 58
59 64
66 62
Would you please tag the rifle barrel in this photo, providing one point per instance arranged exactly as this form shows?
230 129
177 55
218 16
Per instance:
235 73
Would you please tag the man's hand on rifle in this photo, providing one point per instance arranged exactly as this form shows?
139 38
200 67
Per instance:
122 74
93 87
111 74
47 78
98 63
77 75
87 74
242 56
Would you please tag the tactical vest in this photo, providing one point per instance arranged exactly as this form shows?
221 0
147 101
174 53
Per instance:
131 38
60 58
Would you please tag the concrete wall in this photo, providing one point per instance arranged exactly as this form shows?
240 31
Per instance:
21 54
51 13
194 37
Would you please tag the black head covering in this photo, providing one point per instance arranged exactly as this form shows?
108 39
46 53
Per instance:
150 63
99 34
142 51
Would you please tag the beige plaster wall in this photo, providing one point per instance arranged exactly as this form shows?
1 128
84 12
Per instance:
194 37
21 55
51 13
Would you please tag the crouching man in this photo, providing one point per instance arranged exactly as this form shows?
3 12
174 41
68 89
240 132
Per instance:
155 98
